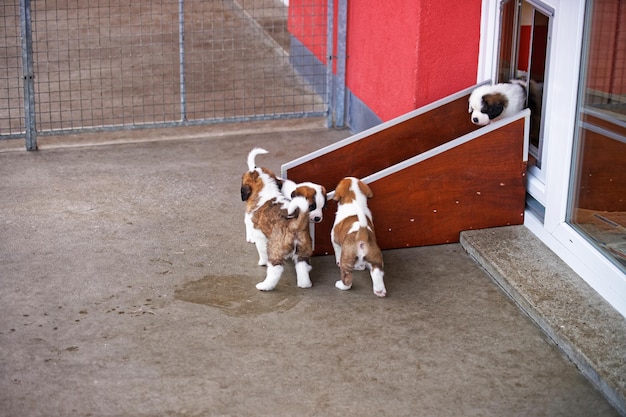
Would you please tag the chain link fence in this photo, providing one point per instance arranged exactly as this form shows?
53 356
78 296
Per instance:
110 64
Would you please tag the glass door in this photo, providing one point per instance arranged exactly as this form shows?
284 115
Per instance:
597 200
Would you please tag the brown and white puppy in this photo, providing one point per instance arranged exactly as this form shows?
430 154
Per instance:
353 235
279 227
489 103
314 193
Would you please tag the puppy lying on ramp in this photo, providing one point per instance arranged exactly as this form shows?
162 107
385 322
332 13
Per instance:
353 235
489 103
279 227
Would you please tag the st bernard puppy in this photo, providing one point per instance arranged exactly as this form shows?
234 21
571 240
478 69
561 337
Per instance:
314 193
279 227
353 235
489 103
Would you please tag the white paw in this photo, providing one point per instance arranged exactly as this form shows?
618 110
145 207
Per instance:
262 262
339 284
378 283
302 273
264 286
305 284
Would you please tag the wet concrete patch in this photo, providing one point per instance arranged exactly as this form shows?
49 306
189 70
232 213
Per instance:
238 296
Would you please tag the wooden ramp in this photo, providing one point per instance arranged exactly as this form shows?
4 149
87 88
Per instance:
433 174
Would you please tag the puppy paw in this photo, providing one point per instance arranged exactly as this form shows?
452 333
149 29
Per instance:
304 284
377 282
262 262
264 286
302 273
339 284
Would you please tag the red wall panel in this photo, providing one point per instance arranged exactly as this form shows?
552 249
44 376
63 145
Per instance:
405 54
447 48
382 55
402 54
307 22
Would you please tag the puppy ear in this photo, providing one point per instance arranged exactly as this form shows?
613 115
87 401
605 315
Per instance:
246 191
341 189
365 189
494 104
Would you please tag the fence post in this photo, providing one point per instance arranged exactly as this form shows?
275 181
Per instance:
336 83
181 52
330 52
28 73
342 29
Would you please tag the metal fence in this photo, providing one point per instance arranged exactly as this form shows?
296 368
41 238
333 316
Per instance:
110 64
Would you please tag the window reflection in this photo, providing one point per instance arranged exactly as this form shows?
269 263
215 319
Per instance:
597 205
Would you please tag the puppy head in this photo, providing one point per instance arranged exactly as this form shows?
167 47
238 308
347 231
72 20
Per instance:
315 194
252 182
349 189
485 105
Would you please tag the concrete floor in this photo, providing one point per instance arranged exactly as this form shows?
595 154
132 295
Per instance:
128 290
590 332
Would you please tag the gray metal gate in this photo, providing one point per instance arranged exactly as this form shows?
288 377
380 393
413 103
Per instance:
83 65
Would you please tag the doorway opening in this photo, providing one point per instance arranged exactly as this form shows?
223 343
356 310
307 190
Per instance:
523 54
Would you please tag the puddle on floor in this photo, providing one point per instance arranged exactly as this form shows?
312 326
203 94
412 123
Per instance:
238 296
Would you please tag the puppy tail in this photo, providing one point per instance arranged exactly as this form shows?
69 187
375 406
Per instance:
251 157
362 237
360 214
299 207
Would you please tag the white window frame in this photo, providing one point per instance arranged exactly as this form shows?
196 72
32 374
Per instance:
550 185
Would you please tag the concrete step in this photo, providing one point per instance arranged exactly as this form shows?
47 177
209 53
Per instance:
580 322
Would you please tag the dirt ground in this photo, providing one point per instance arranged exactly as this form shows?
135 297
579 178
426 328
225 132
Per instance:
128 290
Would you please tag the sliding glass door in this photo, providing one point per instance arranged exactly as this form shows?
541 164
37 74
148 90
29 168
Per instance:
597 200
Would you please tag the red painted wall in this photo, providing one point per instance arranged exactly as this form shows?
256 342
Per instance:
307 21
381 48
402 54
447 48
